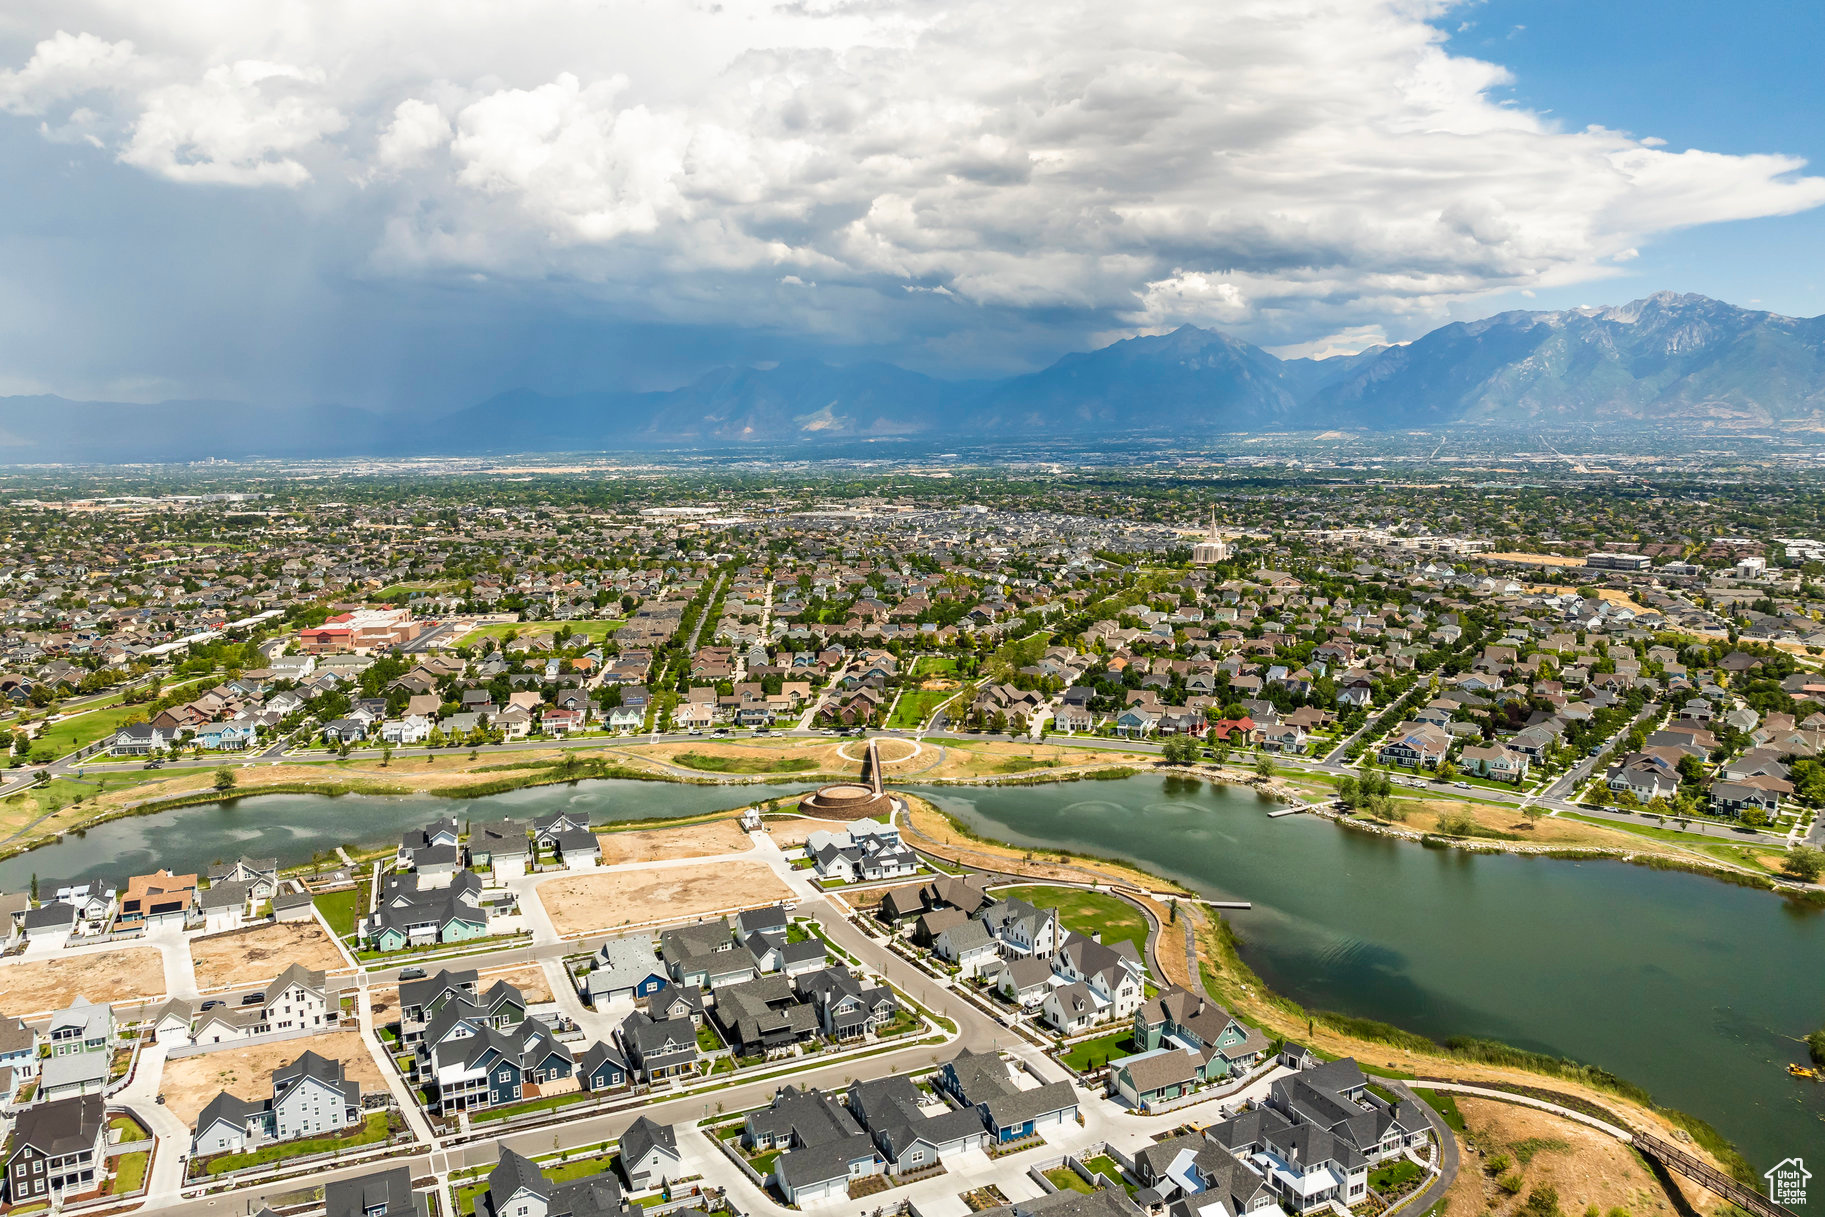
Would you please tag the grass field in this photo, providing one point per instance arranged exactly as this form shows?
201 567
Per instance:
70 734
595 629
744 764
934 665
1088 913
403 591
916 705
1753 856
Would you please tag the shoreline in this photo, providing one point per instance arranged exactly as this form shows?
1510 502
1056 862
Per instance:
1214 940
365 785
555 772
1387 1048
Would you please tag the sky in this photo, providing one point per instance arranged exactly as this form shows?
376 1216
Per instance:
414 205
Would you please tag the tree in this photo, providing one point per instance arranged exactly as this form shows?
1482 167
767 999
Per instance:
1804 863
1264 766
225 779
1532 812
386 755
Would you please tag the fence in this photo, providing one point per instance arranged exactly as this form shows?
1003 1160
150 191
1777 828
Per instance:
734 1155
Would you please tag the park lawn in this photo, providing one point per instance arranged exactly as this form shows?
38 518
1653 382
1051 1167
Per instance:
1742 855
1444 1104
934 665
67 735
373 1131
1094 1053
343 909
595 629
1088 913
916 705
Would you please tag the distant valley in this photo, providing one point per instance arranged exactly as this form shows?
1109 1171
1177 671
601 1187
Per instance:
1664 361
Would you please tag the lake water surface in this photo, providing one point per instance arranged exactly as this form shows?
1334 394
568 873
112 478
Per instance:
294 828
1695 989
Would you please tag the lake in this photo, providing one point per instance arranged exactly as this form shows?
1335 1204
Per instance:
294 828
1695 989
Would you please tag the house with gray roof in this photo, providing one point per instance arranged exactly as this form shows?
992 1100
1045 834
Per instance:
386 1193
981 1080
624 968
649 1155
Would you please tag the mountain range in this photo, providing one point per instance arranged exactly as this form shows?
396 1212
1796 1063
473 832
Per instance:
1667 360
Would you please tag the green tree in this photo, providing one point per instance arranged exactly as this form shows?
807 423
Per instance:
1264 766
1804 863
225 779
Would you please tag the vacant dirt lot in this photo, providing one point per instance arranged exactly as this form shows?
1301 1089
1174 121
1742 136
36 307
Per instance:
190 1083
529 979
247 958
52 984
577 903
1585 1166
789 833
689 841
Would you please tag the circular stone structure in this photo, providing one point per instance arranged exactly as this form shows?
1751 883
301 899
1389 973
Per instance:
846 801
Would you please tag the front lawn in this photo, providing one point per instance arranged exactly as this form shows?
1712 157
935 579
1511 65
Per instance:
581 1168
1393 1176
1093 1054
129 1172
1088 913
373 1131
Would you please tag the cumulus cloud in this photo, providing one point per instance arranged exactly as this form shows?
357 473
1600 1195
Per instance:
418 129
239 124
63 66
1289 168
